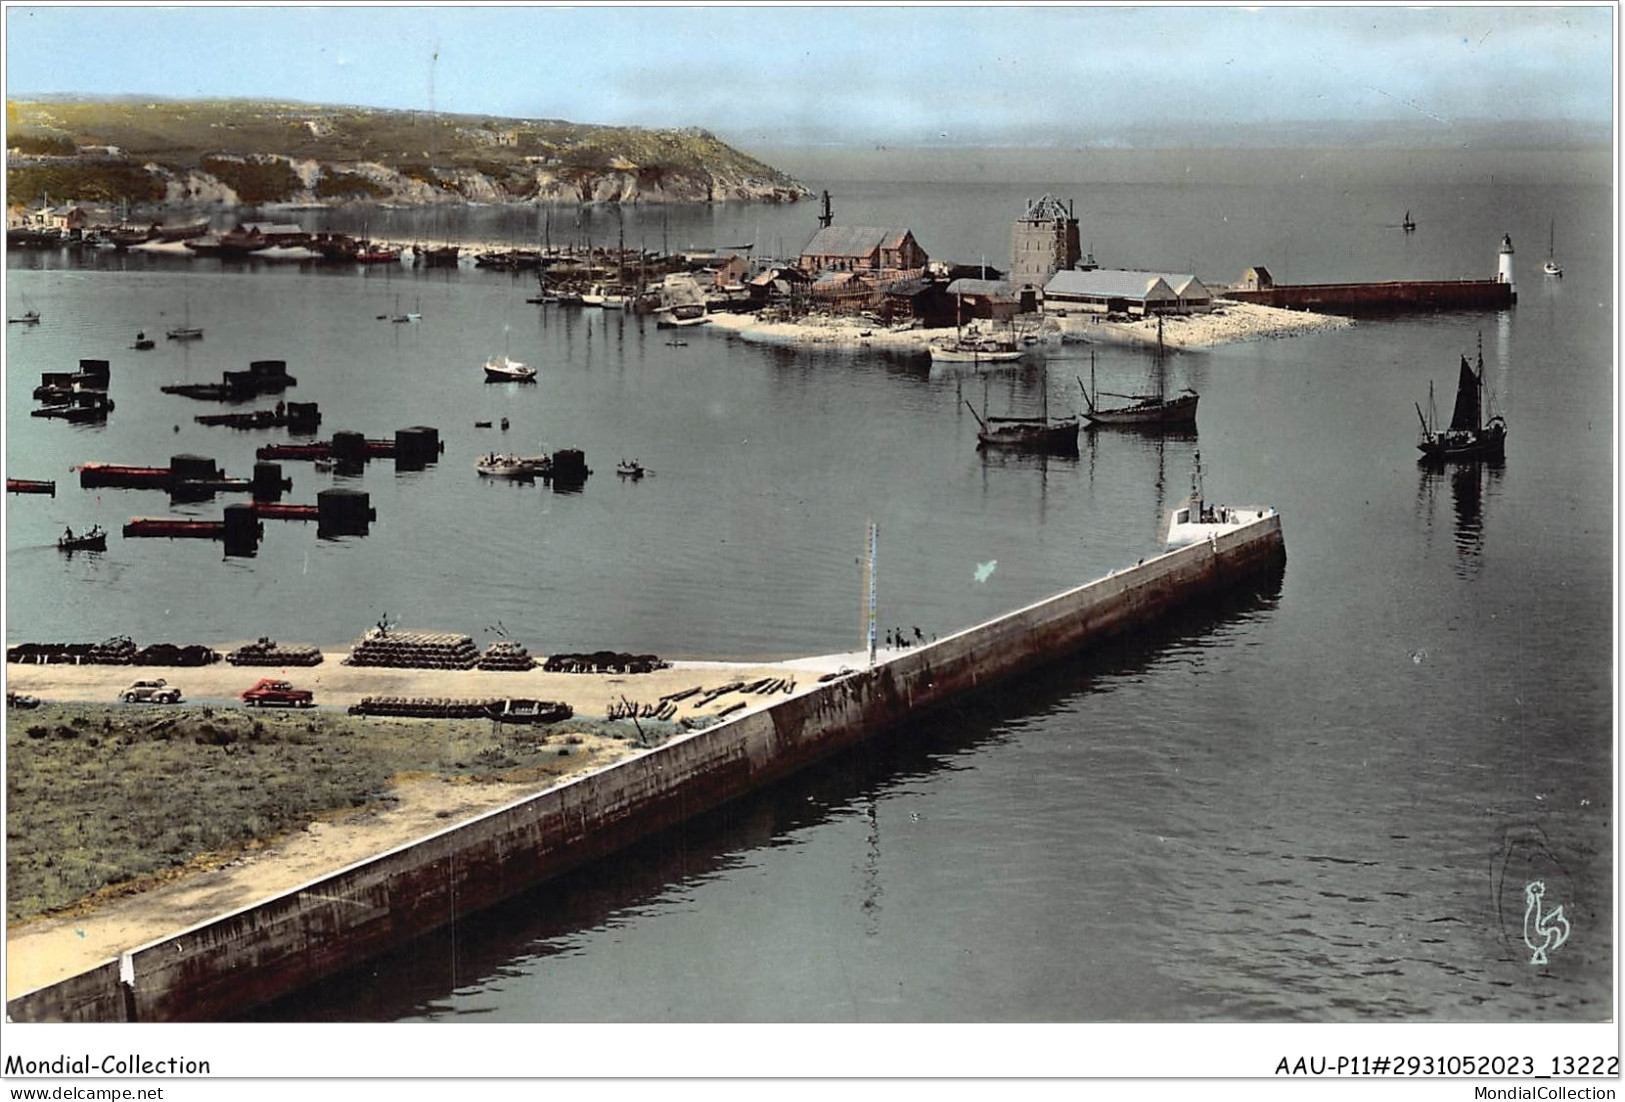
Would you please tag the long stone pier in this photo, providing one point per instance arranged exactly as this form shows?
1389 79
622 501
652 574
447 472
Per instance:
228 965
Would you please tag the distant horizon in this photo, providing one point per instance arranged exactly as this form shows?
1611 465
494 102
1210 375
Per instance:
868 74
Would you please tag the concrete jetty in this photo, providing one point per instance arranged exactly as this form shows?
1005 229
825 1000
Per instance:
228 965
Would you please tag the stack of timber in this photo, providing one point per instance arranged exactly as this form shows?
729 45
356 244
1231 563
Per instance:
504 654
414 650
265 651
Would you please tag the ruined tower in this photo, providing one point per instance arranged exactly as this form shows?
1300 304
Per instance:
1042 242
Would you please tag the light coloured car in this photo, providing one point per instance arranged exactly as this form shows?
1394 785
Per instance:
156 691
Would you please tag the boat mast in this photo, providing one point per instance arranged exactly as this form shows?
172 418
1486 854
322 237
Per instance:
869 586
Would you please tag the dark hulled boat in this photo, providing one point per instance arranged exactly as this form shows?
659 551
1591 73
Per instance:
93 540
1152 411
1469 437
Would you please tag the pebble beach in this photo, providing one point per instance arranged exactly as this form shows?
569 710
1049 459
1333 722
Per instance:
1227 323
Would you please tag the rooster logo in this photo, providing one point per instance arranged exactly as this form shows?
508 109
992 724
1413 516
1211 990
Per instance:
1543 931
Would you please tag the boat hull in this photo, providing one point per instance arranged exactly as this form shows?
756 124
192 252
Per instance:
946 354
1055 439
1488 443
1173 413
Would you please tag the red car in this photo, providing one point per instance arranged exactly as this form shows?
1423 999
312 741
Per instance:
271 691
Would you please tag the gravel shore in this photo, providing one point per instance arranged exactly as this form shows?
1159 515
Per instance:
1227 323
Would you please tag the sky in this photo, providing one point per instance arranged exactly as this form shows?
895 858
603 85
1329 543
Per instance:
860 74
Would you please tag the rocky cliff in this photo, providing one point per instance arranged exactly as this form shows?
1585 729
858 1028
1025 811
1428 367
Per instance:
233 152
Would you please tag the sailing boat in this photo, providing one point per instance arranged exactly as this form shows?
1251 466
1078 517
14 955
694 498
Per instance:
1031 434
187 331
1155 410
28 317
1468 437
1552 267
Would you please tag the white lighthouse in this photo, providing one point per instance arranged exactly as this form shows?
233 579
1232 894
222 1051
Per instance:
1503 268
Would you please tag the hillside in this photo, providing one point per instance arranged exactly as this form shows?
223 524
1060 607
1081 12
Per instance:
240 152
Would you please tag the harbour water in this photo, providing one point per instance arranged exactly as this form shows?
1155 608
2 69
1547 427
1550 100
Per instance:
1318 804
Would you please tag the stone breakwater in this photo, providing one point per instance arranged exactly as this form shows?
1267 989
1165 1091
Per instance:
223 966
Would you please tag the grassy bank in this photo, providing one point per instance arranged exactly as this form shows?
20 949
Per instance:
107 799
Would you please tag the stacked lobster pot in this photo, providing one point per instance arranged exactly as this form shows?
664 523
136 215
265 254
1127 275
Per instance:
266 651
414 650
505 654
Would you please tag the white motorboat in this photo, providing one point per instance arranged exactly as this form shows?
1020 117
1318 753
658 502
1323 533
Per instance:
502 369
499 465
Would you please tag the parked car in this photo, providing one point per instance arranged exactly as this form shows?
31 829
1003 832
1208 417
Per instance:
21 700
269 690
157 691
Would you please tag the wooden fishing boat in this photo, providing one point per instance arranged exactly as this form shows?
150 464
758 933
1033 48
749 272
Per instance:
93 540
1469 437
523 710
1155 410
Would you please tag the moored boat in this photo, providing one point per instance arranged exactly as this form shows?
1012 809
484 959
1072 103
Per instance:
1153 411
974 346
502 369
502 465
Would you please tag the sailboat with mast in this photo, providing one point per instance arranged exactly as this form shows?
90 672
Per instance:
1029 434
186 331
1155 410
1552 267
1469 436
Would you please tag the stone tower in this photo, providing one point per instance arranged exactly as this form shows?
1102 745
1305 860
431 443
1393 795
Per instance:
1042 242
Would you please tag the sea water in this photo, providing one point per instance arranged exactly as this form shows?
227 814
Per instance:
1319 803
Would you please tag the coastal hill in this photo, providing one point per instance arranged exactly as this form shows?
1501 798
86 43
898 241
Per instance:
249 152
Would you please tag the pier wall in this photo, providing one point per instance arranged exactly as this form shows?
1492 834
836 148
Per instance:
228 965
1399 296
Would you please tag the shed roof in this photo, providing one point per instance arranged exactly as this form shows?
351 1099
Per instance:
987 288
853 240
1111 283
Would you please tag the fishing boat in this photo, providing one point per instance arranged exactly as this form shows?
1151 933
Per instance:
1469 437
1196 520
1028 434
629 468
500 465
93 540
501 369
1155 410
31 317
974 346
1552 267
143 342
523 710
186 331
368 252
